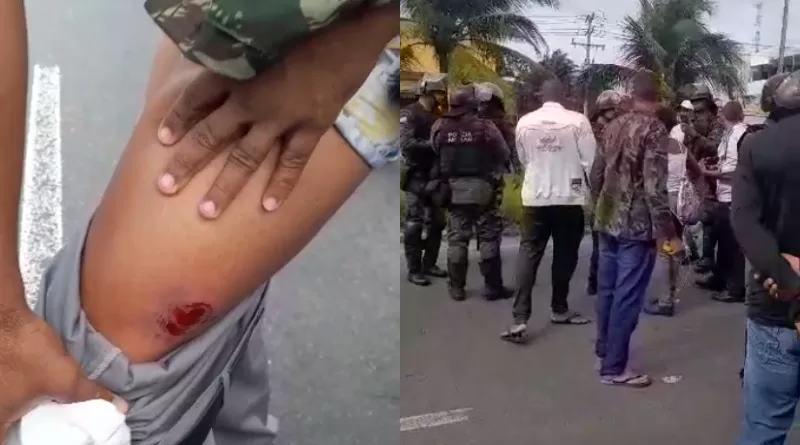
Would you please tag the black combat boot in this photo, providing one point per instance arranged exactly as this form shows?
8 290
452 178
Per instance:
436 271
418 279
457 293
457 272
492 271
413 249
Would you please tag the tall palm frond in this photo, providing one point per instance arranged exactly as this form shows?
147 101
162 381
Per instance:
672 39
482 25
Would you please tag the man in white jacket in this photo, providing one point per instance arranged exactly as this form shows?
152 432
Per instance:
556 148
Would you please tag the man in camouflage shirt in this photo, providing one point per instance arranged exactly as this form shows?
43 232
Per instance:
629 187
608 107
702 137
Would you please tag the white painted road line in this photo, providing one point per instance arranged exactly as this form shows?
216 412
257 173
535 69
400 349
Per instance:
434 419
41 225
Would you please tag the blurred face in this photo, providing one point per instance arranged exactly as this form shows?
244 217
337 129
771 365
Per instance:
703 116
440 97
703 110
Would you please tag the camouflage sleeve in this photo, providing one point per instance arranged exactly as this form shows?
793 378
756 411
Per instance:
706 146
597 173
407 140
434 133
655 166
241 38
498 141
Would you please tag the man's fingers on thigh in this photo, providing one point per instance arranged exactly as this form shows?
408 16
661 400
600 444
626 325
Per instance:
244 159
203 142
293 160
204 94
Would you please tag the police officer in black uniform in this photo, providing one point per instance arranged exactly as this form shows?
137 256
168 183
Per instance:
421 214
471 152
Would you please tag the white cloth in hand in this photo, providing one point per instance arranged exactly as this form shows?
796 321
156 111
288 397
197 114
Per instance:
95 422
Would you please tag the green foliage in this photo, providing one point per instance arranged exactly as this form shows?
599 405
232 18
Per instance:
671 38
511 207
478 25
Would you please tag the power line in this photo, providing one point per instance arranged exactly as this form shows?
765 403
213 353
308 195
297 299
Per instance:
588 46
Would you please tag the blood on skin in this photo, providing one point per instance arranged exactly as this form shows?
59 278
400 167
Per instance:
185 317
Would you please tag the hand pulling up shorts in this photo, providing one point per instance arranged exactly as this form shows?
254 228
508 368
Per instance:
213 390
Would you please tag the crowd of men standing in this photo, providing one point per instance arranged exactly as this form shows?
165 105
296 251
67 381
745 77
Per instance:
654 178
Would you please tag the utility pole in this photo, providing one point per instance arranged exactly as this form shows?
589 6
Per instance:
588 46
784 25
759 17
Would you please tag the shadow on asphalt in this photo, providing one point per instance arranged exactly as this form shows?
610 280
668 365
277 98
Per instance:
547 392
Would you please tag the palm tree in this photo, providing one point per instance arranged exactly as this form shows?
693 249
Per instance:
471 29
553 65
672 39
561 66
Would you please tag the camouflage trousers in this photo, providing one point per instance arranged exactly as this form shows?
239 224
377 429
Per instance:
486 223
421 216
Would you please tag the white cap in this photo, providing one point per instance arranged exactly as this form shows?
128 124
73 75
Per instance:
686 105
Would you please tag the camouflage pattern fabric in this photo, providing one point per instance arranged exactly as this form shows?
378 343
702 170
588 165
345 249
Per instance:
599 123
486 223
629 178
415 138
421 216
241 38
705 143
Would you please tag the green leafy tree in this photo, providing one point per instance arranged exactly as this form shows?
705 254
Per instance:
672 39
561 66
474 28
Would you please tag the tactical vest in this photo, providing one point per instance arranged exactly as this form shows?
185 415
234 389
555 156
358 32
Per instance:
467 158
465 149
421 121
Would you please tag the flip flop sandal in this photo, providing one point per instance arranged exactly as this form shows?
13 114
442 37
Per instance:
519 337
631 380
569 318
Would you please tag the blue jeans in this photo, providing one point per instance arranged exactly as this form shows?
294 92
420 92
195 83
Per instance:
624 271
771 384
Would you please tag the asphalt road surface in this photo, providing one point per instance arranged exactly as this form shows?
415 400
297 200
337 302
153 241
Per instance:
333 312
462 385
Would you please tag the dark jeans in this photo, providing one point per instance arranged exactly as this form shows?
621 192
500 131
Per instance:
591 288
709 238
771 384
565 224
624 271
730 265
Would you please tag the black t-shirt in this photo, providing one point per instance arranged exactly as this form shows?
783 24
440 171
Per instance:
766 214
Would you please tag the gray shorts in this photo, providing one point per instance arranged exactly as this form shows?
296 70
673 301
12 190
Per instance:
217 382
